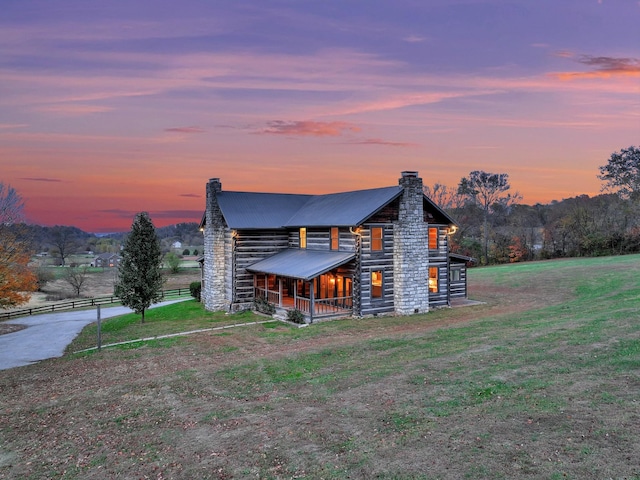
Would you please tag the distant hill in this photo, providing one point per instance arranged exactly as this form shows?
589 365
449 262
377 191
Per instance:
43 239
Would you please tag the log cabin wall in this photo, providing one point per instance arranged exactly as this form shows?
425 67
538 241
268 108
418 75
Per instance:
320 239
376 261
439 258
245 248
458 280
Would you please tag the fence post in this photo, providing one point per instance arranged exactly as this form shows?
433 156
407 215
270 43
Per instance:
99 330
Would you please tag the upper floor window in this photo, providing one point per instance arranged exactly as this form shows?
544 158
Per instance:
433 238
303 237
376 239
335 238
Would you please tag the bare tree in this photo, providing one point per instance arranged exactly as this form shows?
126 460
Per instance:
64 242
76 277
11 205
447 198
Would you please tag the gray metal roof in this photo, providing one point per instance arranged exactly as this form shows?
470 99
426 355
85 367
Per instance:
301 263
343 209
250 210
259 210
461 258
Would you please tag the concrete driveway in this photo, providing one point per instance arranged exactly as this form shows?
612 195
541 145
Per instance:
47 335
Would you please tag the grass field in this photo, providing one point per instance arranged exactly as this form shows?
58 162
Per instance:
540 381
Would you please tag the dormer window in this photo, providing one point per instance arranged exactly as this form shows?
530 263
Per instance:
303 237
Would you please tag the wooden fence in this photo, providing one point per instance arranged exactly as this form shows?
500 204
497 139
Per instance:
84 303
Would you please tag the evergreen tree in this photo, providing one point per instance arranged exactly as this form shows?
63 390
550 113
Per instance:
139 273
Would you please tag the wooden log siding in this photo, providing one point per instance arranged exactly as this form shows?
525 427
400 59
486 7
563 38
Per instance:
439 258
320 239
458 288
374 261
440 298
250 246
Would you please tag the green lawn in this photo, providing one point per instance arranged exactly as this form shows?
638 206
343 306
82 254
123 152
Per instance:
540 381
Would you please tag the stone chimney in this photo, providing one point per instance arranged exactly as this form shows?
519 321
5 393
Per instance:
410 252
213 290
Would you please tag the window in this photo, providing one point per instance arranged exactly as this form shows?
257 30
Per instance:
303 237
376 239
433 238
376 284
454 276
335 238
433 279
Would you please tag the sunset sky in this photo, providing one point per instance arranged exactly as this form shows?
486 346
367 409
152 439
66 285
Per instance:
108 108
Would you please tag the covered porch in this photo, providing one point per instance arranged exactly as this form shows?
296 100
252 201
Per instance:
317 283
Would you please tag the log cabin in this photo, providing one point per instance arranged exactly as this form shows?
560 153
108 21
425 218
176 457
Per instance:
359 253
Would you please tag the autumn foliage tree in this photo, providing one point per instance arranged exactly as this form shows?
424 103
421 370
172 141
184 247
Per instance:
17 281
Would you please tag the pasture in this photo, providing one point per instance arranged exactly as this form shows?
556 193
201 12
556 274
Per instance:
540 381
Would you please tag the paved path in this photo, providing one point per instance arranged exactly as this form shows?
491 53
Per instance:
47 335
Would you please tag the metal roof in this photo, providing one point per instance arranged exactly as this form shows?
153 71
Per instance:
259 210
343 209
301 263
461 258
250 210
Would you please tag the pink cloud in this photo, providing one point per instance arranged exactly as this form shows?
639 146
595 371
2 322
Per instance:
414 39
309 128
66 109
41 179
604 67
378 141
191 129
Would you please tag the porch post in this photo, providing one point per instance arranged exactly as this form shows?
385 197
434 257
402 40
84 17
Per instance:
295 295
312 301
280 291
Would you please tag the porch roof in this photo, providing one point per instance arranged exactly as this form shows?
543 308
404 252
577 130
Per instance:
301 263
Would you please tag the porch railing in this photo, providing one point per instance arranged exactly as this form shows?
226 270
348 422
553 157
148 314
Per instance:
322 307
331 306
270 296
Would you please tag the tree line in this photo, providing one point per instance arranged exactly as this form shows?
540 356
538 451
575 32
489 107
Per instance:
495 228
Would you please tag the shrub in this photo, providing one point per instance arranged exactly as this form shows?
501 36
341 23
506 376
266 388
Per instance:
263 306
173 261
196 289
185 251
44 275
295 316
